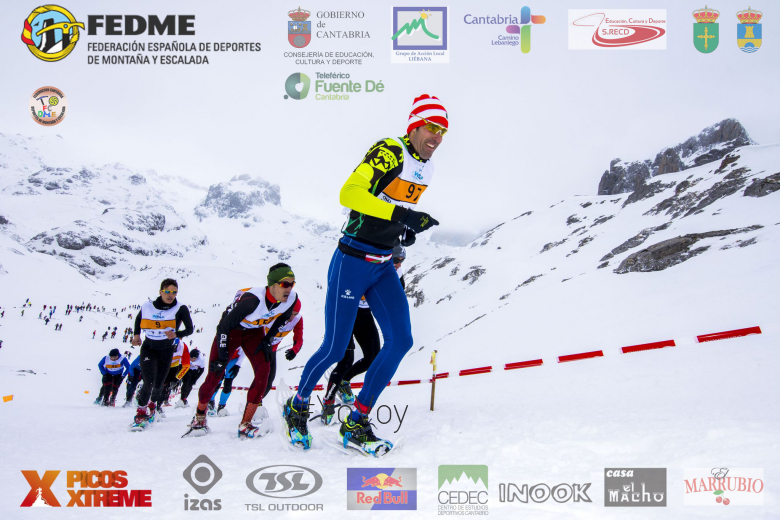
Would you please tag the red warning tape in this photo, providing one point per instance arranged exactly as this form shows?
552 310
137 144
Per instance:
728 334
577 357
561 359
648 346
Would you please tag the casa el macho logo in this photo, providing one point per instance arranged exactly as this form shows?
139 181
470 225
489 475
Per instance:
51 32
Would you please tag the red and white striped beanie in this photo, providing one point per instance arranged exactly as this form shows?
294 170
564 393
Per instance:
431 109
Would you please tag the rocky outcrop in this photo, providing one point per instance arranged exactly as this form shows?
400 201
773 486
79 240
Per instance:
712 144
672 251
235 199
759 187
634 241
645 191
623 177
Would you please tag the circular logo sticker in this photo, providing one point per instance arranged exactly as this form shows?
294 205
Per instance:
48 106
51 32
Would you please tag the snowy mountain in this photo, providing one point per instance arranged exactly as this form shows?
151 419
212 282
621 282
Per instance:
712 144
691 252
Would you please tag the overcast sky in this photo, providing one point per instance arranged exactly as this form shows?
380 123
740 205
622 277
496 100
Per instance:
527 130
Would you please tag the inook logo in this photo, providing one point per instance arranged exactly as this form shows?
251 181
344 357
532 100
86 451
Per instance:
420 35
635 487
706 34
512 40
51 32
463 490
617 29
202 474
724 486
110 494
381 488
299 29
541 492
284 482
297 86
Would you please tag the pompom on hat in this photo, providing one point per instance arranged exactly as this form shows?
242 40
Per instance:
431 109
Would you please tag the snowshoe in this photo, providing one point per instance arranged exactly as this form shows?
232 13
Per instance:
358 435
98 401
262 420
198 427
141 421
328 412
211 411
251 431
127 404
111 403
222 411
181 404
345 394
152 411
296 428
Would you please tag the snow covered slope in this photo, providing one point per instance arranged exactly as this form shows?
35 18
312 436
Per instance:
691 252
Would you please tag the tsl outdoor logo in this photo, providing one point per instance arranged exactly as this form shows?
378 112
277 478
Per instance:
724 486
97 489
51 32
617 29
749 30
299 29
706 33
381 488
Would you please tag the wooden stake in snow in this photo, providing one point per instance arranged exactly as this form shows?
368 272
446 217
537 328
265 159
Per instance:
433 379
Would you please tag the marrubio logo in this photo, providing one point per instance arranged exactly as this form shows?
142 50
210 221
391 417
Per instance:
51 32
291 86
41 494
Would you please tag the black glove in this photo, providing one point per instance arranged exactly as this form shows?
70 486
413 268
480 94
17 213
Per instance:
419 221
266 347
290 354
218 365
410 237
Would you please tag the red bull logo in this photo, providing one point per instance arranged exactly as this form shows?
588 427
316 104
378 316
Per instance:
381 488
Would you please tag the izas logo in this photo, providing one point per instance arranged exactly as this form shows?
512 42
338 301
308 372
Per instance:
297 86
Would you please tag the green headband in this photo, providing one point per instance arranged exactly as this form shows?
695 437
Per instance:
279 274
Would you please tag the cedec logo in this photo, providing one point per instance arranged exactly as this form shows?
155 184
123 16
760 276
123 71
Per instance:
111 494
291 86
51 32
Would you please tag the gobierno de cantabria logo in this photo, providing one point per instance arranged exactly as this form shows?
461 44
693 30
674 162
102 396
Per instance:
51 32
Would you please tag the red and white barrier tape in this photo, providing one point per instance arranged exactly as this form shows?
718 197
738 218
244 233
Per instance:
561 359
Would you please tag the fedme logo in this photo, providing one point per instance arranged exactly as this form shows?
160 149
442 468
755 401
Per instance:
103 489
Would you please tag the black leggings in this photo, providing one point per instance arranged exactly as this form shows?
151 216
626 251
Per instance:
367 336
132 384
189 380
167 385
271 374
111 384
155 365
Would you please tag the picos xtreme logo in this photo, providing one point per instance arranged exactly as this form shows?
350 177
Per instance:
86 489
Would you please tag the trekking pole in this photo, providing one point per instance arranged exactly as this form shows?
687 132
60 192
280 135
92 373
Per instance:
433 379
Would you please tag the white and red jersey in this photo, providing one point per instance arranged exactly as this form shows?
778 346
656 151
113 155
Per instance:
198 363
181 356
239 356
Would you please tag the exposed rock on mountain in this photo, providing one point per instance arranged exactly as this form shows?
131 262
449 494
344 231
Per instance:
711 144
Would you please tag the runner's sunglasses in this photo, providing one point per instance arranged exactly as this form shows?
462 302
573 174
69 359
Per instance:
433 127
286 285
170 292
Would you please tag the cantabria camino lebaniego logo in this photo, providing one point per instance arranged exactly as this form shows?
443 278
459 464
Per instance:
51 32
292 83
